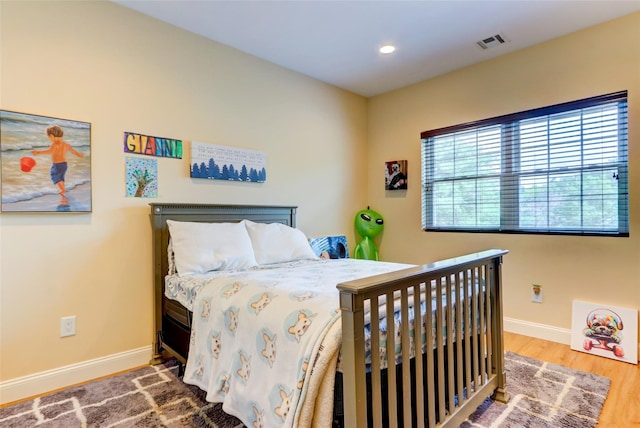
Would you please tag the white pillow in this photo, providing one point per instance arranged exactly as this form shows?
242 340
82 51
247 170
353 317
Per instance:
204 247
278 243
171 259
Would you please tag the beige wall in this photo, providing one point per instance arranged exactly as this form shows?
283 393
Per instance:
121 71
595 61
101 63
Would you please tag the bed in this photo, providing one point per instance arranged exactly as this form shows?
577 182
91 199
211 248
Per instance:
349 357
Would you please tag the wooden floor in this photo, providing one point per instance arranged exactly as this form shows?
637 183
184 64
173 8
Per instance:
622 407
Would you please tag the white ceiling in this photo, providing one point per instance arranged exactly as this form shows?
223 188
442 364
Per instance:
337 41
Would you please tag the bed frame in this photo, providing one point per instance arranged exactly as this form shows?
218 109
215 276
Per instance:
457 376
440 389
172 320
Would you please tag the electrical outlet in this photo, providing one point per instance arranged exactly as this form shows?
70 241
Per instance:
68 326
536 293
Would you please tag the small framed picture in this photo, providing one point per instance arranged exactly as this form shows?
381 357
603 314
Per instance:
46 163
141 177
214 162
395 175
605 330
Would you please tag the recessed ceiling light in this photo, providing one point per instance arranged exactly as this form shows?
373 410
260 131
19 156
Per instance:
387 49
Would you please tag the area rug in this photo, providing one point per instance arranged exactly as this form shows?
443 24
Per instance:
542 395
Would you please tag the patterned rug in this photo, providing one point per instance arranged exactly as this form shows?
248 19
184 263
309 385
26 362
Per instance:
542 395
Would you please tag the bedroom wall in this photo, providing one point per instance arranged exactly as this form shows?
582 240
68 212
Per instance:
121 71
598 60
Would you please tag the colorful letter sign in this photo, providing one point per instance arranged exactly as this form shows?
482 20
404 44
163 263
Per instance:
152 146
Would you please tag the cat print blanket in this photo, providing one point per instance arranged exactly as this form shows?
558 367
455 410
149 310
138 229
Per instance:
265 341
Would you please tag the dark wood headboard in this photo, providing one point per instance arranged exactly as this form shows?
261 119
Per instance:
160 213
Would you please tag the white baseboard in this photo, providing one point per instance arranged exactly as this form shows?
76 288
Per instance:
539 331
40 383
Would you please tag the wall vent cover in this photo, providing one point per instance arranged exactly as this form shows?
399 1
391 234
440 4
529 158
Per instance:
492 41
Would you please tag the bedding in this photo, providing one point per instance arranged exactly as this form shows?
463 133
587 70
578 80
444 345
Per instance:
204 247
278 243
244 322
262 313
184 290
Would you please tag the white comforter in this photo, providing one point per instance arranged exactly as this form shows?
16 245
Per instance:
264 341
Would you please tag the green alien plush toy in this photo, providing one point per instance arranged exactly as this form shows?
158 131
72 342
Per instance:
368 224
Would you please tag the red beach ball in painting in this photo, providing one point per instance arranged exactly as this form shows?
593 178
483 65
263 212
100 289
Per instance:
27 163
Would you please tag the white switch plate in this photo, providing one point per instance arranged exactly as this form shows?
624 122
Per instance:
68 326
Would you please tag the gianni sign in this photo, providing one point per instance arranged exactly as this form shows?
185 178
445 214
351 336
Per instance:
152 146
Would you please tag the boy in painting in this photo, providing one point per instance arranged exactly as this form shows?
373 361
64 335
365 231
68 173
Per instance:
58 150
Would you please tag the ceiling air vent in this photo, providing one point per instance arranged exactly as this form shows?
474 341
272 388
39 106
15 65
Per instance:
493 41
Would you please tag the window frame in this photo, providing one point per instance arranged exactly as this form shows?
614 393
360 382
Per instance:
509 154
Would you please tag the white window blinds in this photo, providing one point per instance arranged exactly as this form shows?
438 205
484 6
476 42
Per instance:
560 170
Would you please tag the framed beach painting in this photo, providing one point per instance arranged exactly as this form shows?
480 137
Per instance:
46 163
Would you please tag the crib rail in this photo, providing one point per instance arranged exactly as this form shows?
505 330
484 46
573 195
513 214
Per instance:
451 313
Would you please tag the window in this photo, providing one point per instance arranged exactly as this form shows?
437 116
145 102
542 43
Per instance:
553 170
